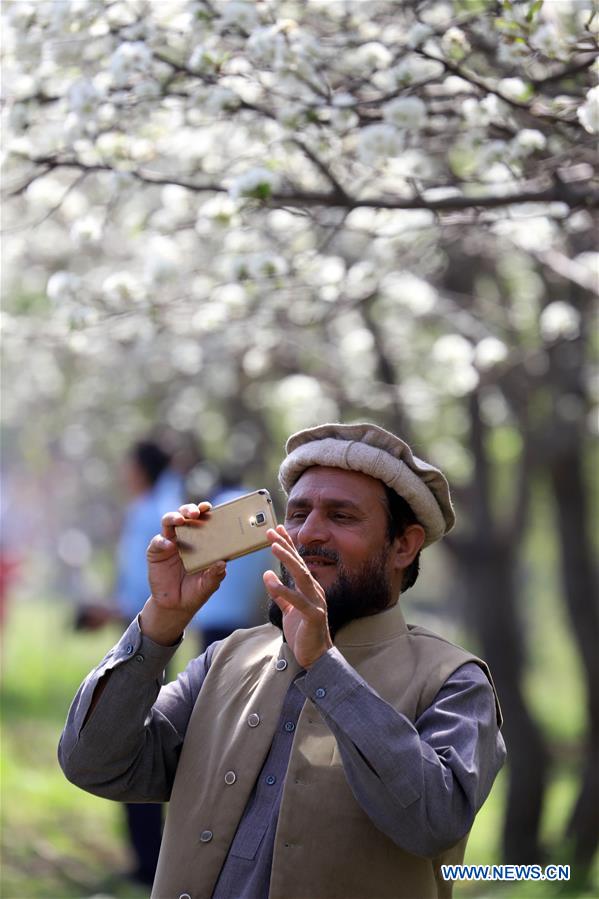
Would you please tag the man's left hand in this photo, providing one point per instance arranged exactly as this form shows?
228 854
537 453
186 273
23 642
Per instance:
304 609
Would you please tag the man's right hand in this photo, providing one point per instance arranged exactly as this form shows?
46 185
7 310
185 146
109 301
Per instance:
176 595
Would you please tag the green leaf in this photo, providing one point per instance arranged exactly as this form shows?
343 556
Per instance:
261 191
534 9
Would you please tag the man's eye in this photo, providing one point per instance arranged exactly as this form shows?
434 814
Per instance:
341 516
296 516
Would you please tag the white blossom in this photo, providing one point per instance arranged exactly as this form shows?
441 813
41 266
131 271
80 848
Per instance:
265 265
418 33
162 260
405 112
588 113
145 88
265 45
188 357
590 261
455 355
343 119
410 291
453 349
516 12
548 40
343 99
378 142
490 152
514 89
63 287
559 320
301 402
23 86
204 58
86 231
475 114
257 182
122 289
455 44
513 53
535 233
489 352
221 99
83 97
453 84
19 118
527 141
414 69
238 13
129 59
372 55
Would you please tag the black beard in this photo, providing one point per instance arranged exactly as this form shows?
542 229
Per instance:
351 596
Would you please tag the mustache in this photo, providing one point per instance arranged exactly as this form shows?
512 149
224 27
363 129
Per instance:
318 551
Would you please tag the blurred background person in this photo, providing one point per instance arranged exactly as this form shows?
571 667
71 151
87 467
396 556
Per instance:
154 488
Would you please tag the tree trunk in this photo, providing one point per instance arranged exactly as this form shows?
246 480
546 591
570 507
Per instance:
580 592
488 565
488 561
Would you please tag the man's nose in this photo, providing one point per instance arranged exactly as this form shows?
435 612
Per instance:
314 529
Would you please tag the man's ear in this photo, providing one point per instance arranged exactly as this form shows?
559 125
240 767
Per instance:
408 545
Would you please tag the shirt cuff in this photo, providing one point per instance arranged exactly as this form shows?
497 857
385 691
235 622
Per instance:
330 680
136 648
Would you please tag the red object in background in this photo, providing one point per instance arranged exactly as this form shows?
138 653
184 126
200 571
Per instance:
9 570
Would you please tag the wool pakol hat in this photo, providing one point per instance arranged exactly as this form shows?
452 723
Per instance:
374 451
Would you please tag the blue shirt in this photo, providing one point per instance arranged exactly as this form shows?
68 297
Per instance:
142 522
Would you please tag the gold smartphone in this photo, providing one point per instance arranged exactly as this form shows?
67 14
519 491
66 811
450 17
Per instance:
228 531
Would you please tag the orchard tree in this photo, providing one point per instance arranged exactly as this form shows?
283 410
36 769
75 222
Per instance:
244 217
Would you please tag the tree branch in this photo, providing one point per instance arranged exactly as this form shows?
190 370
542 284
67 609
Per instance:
566 71
482 85
322 168
574 195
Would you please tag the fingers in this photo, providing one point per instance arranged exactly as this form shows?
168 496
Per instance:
280 535
278 591
212 577
296 566
281 538
187 512
285 597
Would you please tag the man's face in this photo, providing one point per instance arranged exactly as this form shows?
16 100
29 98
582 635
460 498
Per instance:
338 522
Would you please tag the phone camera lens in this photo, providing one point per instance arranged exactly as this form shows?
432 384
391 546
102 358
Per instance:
260 518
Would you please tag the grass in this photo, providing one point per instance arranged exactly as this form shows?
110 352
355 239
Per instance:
61 843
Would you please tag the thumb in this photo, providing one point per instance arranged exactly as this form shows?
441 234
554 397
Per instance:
160 547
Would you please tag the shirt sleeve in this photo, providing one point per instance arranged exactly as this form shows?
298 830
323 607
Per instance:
422 783
129 746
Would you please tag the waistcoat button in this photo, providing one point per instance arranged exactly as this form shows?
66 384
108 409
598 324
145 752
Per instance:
320 693
281 664
184 896
206 836
230 777
254 720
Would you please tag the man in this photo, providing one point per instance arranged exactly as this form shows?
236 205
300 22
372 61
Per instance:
153 487
346 757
